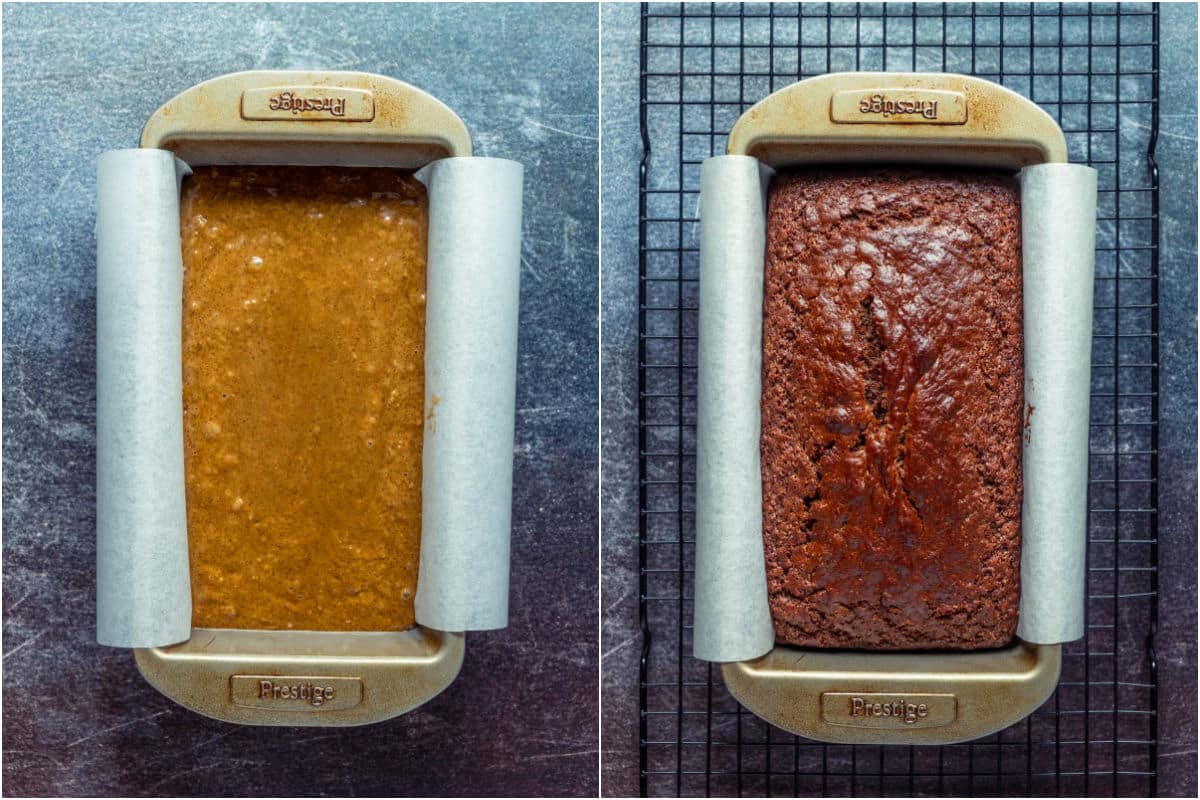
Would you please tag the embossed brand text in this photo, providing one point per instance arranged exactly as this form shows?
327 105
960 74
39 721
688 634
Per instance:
289 101
880 104
902 709
310 693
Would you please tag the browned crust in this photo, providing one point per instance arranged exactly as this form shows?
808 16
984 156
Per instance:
892 408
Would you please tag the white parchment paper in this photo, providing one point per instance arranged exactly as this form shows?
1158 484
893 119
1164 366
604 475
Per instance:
732 615
732 618
1058 235
143 593
143 583
470 391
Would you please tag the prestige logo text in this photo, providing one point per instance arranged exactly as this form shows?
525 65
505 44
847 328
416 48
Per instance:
881 104
903 710
290 101
309 692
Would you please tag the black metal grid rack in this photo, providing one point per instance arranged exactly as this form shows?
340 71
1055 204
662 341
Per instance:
1094 68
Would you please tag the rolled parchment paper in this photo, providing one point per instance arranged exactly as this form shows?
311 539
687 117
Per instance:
143 584
1058 210
470 391
732 618
143 593
1058 240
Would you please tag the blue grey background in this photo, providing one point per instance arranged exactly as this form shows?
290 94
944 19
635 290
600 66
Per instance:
78 719
1176 155
521 717
621 152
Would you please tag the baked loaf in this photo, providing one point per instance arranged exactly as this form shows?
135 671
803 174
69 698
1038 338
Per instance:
892 408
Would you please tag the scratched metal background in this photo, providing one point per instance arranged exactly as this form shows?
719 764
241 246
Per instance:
78 720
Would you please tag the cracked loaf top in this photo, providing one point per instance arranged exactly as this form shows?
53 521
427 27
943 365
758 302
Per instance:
892 408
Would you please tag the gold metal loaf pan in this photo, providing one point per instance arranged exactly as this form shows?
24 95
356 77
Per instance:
896 698
276 677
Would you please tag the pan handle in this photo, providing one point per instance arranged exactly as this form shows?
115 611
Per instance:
932 698
314 118
909 117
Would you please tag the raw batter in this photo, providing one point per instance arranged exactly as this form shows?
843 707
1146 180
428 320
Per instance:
303 388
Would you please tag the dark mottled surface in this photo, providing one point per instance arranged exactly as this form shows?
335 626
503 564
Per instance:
1176 640
621 643
78 719
892 401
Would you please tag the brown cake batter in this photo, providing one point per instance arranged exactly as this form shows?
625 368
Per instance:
303 388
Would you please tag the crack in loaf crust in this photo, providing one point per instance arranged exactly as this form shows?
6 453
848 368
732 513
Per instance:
892 408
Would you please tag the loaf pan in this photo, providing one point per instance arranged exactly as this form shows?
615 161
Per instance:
285 677
856 697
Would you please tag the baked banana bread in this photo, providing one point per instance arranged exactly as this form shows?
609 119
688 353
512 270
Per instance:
892 408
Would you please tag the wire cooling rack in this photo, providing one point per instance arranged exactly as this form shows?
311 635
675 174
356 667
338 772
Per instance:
1094 68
